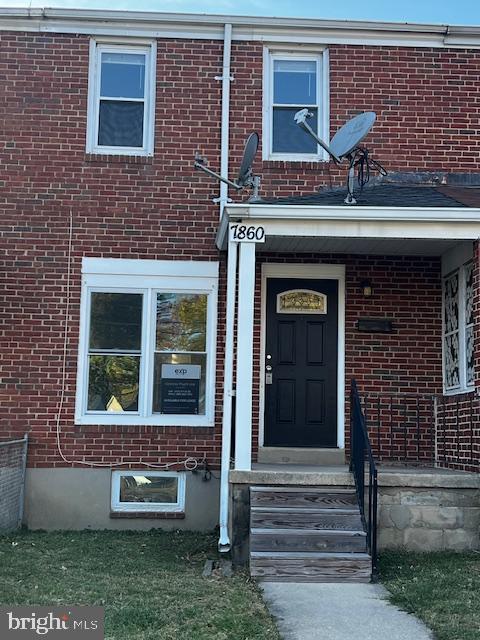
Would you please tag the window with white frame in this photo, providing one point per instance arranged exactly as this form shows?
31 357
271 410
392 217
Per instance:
147 342
121 99
294 81
458 346
140 490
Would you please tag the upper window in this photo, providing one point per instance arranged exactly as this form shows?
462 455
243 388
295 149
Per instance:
458 347
293 82
147 347
121 99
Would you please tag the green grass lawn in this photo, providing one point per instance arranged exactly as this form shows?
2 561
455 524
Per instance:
150 584
443 589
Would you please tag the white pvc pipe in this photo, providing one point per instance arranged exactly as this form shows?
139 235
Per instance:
224 541
226 79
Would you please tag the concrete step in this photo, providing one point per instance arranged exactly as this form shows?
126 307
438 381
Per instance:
307 540
300 518
301 455
306 497
310 567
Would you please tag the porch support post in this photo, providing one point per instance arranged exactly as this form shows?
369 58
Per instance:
244 385
224 541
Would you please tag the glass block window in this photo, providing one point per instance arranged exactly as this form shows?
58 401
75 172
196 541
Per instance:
293 82
458 347
140 490
148 343
121 99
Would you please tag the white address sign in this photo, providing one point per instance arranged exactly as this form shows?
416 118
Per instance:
247 233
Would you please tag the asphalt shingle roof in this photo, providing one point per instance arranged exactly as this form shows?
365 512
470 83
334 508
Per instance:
389 195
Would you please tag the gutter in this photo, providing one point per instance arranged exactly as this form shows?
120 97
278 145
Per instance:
209 26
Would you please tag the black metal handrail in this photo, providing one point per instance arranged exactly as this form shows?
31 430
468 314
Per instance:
361 452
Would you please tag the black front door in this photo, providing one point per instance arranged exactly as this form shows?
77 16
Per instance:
301 363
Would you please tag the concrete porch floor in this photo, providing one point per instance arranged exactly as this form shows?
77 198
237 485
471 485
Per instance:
335 475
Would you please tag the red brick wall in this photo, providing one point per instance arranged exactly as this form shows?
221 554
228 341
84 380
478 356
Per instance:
161 209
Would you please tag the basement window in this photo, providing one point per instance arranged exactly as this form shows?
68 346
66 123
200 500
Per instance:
150 491
121 98
294 81
458 339
147 342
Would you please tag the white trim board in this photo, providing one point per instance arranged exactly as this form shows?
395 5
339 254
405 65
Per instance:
314 272
265 29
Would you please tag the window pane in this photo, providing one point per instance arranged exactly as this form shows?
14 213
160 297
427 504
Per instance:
294 82
116 321
469 356
113 383
123 75
451 303
452 368
120 124
148 489
469 294
287 135
182 394
181 322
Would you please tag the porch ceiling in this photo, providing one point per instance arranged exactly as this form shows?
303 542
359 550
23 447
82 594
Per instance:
362 246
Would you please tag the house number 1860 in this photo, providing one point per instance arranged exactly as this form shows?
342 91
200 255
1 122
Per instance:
247 233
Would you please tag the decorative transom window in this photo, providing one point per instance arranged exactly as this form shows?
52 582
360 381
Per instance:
140 490
301 301
147 342
292 82
121 99
458 347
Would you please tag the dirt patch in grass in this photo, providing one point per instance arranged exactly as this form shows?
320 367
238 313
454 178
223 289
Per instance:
443 589
150 584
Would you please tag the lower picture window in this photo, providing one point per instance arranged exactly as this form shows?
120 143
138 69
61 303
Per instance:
148 491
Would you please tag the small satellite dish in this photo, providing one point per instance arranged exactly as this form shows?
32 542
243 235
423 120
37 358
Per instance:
245 177
345 144
245 171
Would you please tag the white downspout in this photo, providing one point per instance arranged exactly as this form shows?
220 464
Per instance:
224 540
226 78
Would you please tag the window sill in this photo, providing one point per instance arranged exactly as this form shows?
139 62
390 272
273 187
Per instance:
106 158
459 392
113 420
290 163
146 515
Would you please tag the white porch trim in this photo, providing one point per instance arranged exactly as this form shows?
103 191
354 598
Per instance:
429 223
316 272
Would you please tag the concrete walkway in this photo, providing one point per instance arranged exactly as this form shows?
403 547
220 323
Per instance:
305 611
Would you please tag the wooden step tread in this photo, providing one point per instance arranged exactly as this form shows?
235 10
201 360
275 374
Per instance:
301 532
312 555
303 489
311 512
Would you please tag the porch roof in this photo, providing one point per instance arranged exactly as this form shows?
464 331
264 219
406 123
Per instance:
388 219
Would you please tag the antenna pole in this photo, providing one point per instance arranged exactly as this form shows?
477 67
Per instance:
202 167
351 182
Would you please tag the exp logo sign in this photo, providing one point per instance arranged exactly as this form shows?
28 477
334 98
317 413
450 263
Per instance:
60 623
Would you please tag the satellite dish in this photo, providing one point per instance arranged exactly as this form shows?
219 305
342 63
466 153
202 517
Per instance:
245 171
352 133
345 144
245 176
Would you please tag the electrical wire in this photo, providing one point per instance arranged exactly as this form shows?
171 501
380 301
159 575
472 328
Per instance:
190 463
364 164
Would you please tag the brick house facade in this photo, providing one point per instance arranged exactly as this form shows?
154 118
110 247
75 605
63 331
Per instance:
65 200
